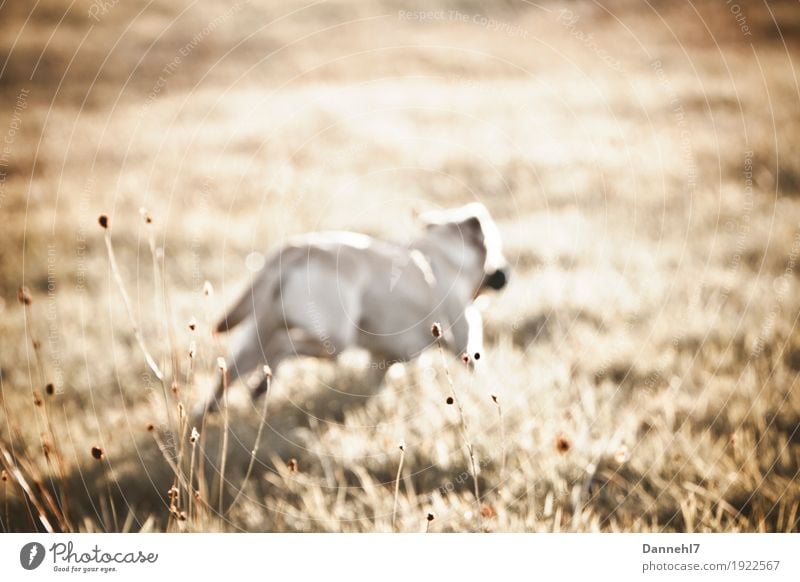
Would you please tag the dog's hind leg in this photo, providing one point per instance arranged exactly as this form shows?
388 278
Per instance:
244 355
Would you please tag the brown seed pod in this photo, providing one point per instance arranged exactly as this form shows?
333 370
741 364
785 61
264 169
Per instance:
24 296
50 389
449 400
487 511
430 517
102 220
436 330
293 466
563 444
98 453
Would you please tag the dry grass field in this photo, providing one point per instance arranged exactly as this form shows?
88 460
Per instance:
642 160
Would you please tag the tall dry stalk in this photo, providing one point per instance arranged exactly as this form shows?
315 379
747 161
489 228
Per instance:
112 259
436 331
496 400
264 407
99 455
14 471
402 448
4 480
48 437
223 367
193 440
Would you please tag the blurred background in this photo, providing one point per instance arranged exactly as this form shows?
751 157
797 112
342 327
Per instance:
642 163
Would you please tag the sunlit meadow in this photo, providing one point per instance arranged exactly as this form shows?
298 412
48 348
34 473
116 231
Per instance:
642 160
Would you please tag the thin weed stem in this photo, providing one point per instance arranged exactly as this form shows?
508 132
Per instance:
4 479
496 401
225 426
402 448
262 422
193 439
436 330
151 363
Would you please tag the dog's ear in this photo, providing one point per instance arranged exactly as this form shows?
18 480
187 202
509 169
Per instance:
471 229
472 223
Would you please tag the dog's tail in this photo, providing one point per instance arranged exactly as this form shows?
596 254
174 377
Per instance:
250 301
243 307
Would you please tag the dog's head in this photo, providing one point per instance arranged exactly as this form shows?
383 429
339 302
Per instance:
475 242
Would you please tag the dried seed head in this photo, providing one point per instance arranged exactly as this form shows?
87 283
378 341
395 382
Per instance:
98 453
192 349
24 296
563 444
267 371
192 323
102 220
430 517
173 492
3 476
436 330
221 364
465 358
487 511
150 427
401 445
37 398
50 389
293 466
495 399
449 400
195 435
208 289
145 216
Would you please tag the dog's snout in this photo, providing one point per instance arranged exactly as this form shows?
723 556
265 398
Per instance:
498 279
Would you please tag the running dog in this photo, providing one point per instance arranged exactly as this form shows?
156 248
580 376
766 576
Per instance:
324 292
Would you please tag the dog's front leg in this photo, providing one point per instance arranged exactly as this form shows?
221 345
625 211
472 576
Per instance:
474 334
467 335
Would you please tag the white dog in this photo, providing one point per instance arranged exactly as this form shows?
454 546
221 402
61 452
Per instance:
324 292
